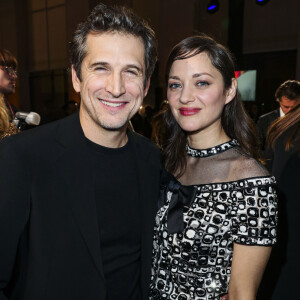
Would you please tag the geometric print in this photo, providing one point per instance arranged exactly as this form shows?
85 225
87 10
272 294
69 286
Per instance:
211 151
196 263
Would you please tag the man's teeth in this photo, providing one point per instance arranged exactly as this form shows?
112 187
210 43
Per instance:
111 104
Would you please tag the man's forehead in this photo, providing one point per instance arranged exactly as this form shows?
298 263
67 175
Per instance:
115 45
111 37
286 100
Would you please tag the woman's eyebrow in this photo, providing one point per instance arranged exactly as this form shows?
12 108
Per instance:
200 74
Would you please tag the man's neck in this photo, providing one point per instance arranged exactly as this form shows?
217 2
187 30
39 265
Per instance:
107 138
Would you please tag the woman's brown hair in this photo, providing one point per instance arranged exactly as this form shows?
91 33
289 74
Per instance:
291 119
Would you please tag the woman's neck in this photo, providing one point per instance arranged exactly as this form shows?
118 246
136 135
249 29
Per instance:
207 139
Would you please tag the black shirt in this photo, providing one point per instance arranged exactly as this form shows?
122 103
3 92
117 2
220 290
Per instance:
118 210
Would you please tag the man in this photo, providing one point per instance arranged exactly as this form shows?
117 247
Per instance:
287 95
78 196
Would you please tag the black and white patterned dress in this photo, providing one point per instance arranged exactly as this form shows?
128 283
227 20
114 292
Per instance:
197 224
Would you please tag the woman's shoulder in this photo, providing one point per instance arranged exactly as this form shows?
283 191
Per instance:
246 166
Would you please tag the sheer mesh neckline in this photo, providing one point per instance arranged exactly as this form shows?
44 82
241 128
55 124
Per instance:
211 151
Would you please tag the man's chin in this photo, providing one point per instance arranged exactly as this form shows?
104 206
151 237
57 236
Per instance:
114 127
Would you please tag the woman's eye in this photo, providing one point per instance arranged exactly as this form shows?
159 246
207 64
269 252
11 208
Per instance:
174 85
202 83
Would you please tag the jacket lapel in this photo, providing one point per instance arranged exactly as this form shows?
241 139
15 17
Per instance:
79 187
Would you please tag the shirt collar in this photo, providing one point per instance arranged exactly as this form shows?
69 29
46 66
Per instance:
281 112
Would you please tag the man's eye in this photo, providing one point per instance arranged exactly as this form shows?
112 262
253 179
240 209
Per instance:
100 69
132 72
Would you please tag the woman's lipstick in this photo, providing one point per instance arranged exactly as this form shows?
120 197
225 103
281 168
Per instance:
189 111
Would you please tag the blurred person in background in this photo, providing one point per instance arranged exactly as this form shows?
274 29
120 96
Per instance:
287 95
7 128
8 76
281 278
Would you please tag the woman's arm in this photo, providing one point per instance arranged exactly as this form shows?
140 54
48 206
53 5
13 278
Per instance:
248 265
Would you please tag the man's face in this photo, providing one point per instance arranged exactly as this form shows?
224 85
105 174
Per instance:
286 104
112 84
7 80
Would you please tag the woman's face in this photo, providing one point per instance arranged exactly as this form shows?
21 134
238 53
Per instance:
196 93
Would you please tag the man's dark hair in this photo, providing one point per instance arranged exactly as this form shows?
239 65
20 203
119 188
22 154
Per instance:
7 59
105 18
289 89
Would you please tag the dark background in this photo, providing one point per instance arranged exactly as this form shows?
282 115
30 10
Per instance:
264 38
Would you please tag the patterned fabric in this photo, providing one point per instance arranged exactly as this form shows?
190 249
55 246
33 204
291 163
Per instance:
195 263
212 150
12 129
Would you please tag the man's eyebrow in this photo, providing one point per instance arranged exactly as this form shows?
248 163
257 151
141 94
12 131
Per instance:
99 63
105 64
133 66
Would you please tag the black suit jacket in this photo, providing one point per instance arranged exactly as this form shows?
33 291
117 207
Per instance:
50 246
263 125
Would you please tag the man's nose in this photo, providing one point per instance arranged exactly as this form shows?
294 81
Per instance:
115 85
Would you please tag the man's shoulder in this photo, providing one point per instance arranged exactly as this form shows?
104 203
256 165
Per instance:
269 115
142 141
39 137
146 149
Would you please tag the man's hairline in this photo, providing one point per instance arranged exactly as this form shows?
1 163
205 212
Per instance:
112 31
279 100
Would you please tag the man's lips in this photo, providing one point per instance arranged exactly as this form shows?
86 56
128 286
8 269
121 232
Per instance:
189 111
112 103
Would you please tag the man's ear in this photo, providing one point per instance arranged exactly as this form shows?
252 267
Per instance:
146 89
75 80
231 91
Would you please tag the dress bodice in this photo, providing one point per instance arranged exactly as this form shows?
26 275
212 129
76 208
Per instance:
197 225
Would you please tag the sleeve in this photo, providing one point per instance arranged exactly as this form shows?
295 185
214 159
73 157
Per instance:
14 207
254 215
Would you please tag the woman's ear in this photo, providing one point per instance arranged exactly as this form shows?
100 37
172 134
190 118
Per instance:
231 91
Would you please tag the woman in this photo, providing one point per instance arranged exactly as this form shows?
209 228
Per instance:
8 66
6 127
282 272
216 224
